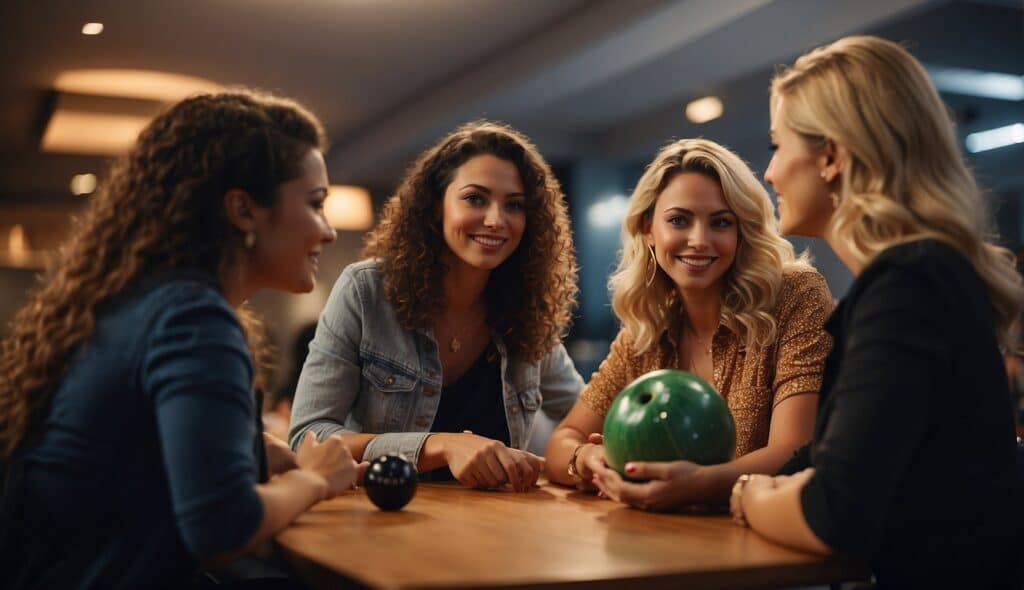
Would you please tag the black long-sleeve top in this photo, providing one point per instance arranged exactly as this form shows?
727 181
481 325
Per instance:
914 447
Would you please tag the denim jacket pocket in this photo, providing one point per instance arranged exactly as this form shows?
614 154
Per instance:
388 379
389 401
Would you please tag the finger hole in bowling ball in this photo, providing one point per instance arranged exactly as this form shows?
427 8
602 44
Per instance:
390 482
644 399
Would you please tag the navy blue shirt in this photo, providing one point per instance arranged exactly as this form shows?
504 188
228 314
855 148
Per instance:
148 460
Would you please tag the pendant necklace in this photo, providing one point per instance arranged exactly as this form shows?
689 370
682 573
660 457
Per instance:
454 344
700 346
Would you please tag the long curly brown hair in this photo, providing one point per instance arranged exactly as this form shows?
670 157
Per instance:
160 210
530 296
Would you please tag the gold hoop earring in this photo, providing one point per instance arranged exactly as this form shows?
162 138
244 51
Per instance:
654 261
250 240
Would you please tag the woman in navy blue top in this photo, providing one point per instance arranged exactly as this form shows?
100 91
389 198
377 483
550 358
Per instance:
912 463
130 439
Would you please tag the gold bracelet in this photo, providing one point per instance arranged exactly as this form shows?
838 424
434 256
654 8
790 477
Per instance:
573 472
735 500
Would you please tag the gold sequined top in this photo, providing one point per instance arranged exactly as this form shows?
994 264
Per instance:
753 382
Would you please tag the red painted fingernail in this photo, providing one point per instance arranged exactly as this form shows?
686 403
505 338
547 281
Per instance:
630 468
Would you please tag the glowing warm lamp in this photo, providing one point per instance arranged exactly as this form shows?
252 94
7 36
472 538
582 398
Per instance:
348 207
83 184
17 245
142 84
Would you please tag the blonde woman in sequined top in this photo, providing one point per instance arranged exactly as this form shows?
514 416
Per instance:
705 284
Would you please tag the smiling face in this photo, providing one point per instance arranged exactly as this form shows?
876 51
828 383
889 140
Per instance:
483 214
291 234
795 172
693 232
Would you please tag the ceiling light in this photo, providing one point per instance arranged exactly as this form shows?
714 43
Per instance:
978 83
995 138
96 125
83 184
348 207
92 28
144 84
80 132
704 109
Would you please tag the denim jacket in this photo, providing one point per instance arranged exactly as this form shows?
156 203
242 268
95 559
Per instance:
366 373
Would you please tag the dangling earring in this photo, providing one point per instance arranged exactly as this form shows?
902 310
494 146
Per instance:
250 240
654 261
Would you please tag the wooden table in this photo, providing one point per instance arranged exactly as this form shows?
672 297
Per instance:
453 537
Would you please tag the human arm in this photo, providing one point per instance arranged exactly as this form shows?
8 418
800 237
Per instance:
323 471
676 484
560 383
894 357
805 304
479 462
771 506
332 377
587 418
196 373
280 457
803 345
577 437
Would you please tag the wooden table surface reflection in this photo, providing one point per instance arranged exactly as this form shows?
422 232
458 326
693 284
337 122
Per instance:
551 537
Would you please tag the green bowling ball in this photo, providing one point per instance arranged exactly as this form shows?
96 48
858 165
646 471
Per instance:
668 415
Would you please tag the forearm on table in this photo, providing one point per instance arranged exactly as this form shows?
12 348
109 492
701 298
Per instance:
357 443
719 479
432 454
561 445
777 514
284 498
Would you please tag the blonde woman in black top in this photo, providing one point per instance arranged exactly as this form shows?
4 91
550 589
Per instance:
912 464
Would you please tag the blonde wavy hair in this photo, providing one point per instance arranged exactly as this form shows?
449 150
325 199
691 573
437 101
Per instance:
751 285
530 296
905 178
160 211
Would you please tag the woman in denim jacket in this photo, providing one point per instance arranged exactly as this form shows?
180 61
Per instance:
444 343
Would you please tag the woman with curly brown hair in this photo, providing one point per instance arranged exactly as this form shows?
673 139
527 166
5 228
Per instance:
130 438
444 343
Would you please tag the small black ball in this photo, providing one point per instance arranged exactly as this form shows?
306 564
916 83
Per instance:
390 482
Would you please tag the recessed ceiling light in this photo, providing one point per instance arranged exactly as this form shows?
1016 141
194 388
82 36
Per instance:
92 28
704 109
977 83
982 141
83 184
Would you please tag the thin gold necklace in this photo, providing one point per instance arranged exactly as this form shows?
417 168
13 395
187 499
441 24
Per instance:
700 345
454 344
